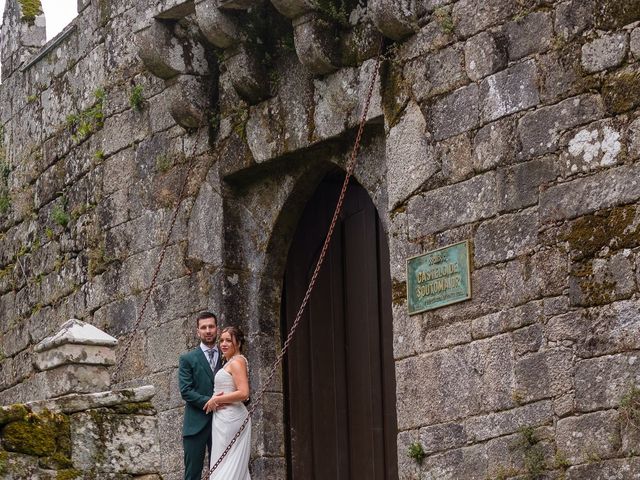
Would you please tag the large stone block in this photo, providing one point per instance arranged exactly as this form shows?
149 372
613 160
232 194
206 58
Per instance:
495 425
506 237
334 101
509 91
507 320
436 73
160 51
446 436
205 245
605 52
394 18
598 145
544 374
619 469
602 280
72 379
454 113
454 156
519 186
531 34
616 186
610 329
588 436
218 27
560 74
410 157
170 430
494 144
115 443
166 343
74 354
247 73
80 402
602 382
429 38
454 205
316 43
621 90
472 16
527 339
467 462
478 375
573 17
484 54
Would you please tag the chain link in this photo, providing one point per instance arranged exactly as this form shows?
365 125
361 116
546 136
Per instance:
285 346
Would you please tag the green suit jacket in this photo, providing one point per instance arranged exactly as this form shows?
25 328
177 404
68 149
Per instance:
196 381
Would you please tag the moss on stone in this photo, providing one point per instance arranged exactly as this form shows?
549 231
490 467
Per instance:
614 228
4 457
40 435
133 408
612 14
336 10
68 474
30 10
398 292
58 461
621 93
394 94
12 413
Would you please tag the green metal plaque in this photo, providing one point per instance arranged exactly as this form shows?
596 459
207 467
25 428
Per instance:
438 278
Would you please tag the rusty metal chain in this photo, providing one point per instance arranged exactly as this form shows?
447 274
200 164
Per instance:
285 346
156 272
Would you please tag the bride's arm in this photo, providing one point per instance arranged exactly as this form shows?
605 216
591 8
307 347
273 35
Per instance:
238 370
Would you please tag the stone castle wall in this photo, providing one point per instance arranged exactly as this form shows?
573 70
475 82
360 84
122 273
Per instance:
511 124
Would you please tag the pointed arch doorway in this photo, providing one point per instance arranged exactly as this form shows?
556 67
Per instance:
339 373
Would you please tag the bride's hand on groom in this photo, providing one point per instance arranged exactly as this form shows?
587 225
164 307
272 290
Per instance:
212 404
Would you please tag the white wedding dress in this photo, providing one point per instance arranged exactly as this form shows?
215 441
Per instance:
226 423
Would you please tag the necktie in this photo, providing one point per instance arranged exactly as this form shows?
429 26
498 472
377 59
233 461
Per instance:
212 363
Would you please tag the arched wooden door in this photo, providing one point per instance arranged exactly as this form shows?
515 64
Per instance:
339 372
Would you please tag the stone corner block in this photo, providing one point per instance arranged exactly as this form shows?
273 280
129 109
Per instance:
316 44
67 379
395 19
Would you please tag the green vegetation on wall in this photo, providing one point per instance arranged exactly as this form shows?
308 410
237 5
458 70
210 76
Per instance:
42 435
88 121
30 10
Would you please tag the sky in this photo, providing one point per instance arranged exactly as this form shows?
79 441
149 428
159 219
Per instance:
57 12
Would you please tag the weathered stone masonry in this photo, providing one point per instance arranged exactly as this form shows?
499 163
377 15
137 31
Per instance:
511 124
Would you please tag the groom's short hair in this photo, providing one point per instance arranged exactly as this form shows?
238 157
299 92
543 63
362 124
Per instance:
203 315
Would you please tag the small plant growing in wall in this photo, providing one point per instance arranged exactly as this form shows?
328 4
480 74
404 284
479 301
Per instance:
444 20
529 445
5 203
416 452
59 214
88 121
163 163
5 171
630 408
136 99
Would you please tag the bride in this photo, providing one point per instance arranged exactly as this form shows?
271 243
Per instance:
231 389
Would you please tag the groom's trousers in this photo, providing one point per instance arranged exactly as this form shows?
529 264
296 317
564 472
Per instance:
194 453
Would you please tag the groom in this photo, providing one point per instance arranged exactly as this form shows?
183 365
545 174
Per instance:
196 376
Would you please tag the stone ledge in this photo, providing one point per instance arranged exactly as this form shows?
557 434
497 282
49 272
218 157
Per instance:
80 402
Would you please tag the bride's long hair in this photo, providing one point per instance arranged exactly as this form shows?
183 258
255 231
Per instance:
237 337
